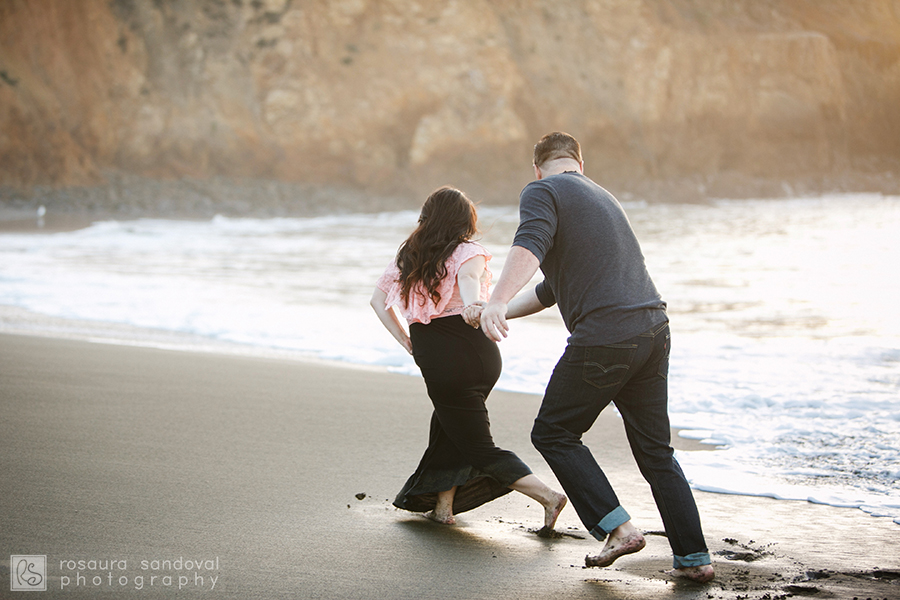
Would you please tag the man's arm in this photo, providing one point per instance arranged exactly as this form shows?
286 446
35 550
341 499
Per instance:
520 267
524 304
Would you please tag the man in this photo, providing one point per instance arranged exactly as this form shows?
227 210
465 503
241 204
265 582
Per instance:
618 351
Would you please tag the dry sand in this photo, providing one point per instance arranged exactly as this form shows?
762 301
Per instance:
278 475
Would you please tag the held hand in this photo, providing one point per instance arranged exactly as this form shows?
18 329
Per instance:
472 314
493 321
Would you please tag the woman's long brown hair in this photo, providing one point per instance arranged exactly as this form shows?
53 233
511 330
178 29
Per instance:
448 218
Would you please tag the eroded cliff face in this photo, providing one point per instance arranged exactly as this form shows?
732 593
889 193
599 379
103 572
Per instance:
395 97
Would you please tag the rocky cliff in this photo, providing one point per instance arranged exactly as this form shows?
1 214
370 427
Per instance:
110 103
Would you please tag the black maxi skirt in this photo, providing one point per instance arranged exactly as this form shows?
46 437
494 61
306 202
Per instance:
460 367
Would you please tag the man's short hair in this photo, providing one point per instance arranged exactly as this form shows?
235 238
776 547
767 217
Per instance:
556 145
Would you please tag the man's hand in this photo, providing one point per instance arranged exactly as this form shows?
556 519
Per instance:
520 265
493 321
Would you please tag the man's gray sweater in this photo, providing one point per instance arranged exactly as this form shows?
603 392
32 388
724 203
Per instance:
591 260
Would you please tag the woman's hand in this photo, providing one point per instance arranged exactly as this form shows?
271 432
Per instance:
472 314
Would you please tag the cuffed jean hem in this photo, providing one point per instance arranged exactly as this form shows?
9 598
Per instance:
607 524
697 559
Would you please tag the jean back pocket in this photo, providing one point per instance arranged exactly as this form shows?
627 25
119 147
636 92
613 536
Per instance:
608 366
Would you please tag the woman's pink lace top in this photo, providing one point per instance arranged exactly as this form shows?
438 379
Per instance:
423 309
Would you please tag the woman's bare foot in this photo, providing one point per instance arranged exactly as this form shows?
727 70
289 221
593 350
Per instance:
625 539
443 508
553 502
701 574
552 510
444 519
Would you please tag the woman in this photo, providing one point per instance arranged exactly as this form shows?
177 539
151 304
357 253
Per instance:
439 280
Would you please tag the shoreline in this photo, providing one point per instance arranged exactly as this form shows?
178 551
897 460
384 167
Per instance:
18 321
284 471
113 334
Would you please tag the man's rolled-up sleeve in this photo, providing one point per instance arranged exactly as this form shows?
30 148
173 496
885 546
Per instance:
537 219
545 294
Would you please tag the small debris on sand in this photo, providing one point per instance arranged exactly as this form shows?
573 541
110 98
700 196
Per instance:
749 553
802 590
546 532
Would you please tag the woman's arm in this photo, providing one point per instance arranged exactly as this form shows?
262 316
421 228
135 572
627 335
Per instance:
469 279
389 319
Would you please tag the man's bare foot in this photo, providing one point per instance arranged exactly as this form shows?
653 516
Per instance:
440 518
551 511
616 547
701 574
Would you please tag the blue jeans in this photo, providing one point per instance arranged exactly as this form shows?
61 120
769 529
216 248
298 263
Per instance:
632 374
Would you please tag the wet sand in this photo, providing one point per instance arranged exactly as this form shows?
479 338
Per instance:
274 478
